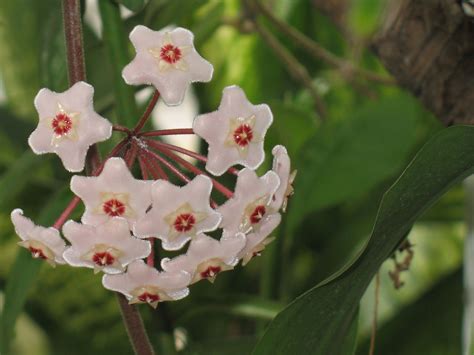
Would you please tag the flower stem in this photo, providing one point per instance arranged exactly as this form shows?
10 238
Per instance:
166 163
187 152
221 188
119 128
76 69
167 132
146 115
135 328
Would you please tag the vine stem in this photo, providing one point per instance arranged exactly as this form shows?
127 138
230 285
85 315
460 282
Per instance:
76 70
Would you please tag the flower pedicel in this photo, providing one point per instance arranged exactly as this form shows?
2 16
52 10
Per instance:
124 216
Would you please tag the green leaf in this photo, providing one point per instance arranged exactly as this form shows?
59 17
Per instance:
345 159
24 273
318 321
133 5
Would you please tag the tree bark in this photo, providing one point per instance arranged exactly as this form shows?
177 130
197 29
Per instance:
428 45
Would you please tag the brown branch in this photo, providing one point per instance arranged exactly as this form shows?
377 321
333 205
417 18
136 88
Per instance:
135 328
77 72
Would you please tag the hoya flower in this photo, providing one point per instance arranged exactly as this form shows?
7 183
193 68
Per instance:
179 213
68 125
259 239
250 203
234 132
144 284
43 243
114 193
207 257
167 60
108 247
282 166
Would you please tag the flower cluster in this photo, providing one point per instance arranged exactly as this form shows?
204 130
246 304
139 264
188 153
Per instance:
124 216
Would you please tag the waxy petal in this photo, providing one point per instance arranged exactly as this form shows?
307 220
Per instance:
203 250
168 285
234 132
251 192
46 240
113 236
170 69
68 125
163 220
114 193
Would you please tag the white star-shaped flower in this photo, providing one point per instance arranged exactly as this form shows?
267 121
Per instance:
250 203
114 193
234 132
167 60
68 125
144 284
259 239
108 247
282 166
207 257
179 213
43 243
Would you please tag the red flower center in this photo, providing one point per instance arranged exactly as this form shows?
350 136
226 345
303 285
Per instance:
243 135
184 222
210 272
103 258
170 54
257 214
37 253
148 297
113 207
61 124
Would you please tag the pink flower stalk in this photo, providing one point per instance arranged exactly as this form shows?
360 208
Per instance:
121 210
68 125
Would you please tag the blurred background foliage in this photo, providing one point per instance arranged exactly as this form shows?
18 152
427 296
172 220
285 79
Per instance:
370 133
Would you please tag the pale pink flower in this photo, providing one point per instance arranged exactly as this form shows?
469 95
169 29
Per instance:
114 193
250 203
43 243
167 60
68 125
179 213
108 247
144 284
207 257
259 239
234 132
282 166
